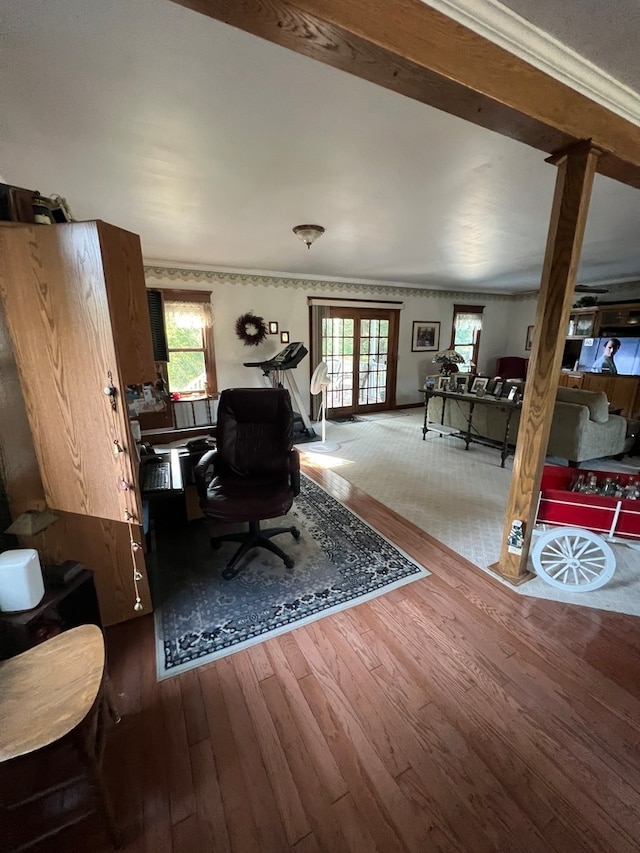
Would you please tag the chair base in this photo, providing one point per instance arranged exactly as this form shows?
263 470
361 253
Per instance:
254 538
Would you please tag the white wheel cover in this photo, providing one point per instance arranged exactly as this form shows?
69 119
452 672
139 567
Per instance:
573 559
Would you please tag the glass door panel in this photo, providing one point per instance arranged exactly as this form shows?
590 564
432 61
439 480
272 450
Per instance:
356 345
374 345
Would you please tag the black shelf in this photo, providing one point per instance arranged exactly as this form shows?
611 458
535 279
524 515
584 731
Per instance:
62 607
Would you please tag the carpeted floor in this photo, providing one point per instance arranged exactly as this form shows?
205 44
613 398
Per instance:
339 562
460 497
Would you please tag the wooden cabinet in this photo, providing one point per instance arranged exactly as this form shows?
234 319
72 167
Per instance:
599 321
75 303
615 317
571 380
623 392
582 323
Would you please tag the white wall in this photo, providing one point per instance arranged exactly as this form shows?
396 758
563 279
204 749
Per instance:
285 301
522 313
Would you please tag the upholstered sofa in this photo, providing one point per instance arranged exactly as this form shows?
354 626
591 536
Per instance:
582 427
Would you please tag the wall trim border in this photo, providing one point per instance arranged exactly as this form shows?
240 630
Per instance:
159 273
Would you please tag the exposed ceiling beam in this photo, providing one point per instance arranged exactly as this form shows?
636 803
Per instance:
410 48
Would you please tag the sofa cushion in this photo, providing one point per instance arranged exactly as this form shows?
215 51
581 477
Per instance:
595 401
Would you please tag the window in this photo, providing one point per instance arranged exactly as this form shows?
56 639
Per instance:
465 333
188 325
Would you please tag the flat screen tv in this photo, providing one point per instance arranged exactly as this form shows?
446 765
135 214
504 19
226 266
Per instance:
597 357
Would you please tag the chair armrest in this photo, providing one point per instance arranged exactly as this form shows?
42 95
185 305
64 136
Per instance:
200 472
294 471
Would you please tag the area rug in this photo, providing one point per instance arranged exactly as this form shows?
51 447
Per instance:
340 561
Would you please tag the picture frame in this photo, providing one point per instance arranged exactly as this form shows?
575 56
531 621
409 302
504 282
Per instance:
425 336
514 394
479 384
497 390
529 339
273 327
442 383
284 337
461 383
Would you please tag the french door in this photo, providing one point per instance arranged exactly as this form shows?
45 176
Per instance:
360 347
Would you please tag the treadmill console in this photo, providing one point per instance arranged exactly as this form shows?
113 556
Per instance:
290 357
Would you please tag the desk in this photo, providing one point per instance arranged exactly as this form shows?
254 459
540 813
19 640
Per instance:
509 406
175 484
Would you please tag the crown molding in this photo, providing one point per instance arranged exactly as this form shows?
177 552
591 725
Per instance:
202 275
507 29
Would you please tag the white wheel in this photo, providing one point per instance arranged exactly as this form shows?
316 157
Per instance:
573 559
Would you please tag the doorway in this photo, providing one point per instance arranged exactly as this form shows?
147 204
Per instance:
360 347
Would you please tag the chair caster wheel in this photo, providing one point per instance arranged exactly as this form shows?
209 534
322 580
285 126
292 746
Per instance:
215 544
229 573
295 533
289 563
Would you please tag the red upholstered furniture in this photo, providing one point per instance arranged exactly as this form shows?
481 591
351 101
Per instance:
512 367
256 471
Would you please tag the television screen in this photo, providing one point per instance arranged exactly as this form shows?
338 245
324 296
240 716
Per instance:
610 356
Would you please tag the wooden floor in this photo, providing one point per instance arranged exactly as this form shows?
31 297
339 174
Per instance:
451 714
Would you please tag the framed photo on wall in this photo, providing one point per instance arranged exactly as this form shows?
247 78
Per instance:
529 341
284 337
425 336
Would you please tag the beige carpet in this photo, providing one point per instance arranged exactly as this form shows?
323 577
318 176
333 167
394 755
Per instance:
458 496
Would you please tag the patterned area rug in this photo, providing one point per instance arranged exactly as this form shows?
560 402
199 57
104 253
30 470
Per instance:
340 561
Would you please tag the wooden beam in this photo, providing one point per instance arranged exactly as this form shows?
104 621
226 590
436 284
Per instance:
408 47
576 170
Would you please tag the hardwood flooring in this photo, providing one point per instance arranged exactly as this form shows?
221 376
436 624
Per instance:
451 714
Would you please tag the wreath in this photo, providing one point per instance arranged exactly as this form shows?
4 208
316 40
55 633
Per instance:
251 329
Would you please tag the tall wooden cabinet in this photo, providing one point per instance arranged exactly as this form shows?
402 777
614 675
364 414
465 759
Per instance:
75 304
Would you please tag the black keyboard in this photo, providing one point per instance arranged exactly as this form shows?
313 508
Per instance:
156 477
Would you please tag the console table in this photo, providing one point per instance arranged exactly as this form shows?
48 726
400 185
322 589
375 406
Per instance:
468 436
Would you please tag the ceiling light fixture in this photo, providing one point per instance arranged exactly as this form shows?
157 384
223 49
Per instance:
308 233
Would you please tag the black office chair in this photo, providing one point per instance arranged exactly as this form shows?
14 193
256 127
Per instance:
256 471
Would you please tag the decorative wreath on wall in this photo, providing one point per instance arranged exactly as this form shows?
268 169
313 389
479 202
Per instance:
251 329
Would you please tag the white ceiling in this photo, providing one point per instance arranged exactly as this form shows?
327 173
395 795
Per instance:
212 144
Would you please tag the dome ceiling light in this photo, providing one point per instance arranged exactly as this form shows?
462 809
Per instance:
308 233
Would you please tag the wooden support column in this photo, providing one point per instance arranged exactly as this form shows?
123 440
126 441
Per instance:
576 169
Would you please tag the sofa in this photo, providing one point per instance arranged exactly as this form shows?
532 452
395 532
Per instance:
581 429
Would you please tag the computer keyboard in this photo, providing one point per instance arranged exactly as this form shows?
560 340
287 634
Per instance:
156 477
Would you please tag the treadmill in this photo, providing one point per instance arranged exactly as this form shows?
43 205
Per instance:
277 370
